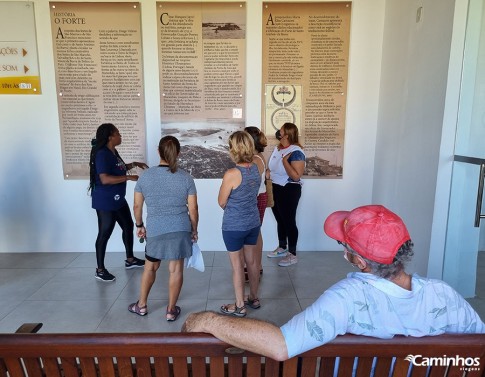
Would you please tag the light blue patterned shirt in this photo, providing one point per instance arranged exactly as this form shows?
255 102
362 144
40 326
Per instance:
365 304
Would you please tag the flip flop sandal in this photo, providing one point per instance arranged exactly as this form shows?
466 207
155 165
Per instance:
252 303
236 312
175 313
140 310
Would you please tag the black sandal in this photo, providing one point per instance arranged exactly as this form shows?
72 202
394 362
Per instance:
252 303
236 312
175 313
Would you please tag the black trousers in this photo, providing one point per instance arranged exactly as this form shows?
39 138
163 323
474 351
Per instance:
286 200
106 224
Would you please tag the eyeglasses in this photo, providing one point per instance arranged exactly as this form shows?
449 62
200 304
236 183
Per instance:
347 254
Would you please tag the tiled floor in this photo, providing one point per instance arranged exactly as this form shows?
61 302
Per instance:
59 290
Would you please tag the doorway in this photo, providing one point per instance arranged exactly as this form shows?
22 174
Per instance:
463 239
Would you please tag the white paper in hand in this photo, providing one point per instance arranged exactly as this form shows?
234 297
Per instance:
196 260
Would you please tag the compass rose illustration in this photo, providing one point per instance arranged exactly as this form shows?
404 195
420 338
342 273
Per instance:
283 95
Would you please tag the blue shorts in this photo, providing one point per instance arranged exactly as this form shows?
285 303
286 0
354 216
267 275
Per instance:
235 239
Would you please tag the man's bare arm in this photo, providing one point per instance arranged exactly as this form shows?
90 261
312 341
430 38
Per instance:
249 334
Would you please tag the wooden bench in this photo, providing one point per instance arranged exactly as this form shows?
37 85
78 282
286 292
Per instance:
194 354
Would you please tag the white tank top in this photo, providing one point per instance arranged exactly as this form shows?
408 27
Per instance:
262 186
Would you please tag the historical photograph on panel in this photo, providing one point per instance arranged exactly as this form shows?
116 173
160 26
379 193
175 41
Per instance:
217 24
204 146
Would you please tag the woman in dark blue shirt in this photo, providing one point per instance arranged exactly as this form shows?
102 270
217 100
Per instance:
108 189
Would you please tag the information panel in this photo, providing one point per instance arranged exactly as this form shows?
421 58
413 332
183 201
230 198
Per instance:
19 67
99 78
202 54
305 68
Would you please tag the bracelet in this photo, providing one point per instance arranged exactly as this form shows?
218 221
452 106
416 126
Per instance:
139 225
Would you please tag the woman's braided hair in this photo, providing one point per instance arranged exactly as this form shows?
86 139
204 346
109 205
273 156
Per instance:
102 137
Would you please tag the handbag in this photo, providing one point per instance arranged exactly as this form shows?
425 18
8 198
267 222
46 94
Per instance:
269 193
196 260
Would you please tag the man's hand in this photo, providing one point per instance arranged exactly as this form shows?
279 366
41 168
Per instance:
248 334
195 321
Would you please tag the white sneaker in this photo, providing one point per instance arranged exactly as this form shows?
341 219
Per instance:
288 261
278 253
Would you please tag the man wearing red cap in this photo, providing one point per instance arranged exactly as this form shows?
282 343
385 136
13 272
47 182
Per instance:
381 300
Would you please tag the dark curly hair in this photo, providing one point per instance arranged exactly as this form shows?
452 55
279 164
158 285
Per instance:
102 137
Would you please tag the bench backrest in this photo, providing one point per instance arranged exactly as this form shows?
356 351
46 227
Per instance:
184 355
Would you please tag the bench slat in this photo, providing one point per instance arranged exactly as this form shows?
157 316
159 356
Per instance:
33 367
346 366
308 367
290 367
125 366
401 368
420 371
327 366
383 366
235 367
51 367
70 367
437 371
271 368
217 366
364 366
162 367
14 367
88 366
143 366
254 366
180 367
3 369
106 366
199 368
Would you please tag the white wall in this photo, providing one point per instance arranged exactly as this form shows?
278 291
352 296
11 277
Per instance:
411 107
40 211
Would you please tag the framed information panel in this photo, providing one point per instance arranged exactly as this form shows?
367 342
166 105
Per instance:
202 55
305 68
99 78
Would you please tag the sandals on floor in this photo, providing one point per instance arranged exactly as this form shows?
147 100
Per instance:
236 312
174 314
252 303
140 310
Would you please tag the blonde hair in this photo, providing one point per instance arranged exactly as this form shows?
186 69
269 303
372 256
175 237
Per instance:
241 147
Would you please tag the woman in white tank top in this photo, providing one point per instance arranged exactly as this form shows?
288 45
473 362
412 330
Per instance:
260 143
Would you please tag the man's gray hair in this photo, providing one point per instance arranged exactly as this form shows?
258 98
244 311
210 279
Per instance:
389 271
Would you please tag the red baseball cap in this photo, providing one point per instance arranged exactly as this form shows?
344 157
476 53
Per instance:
373 231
